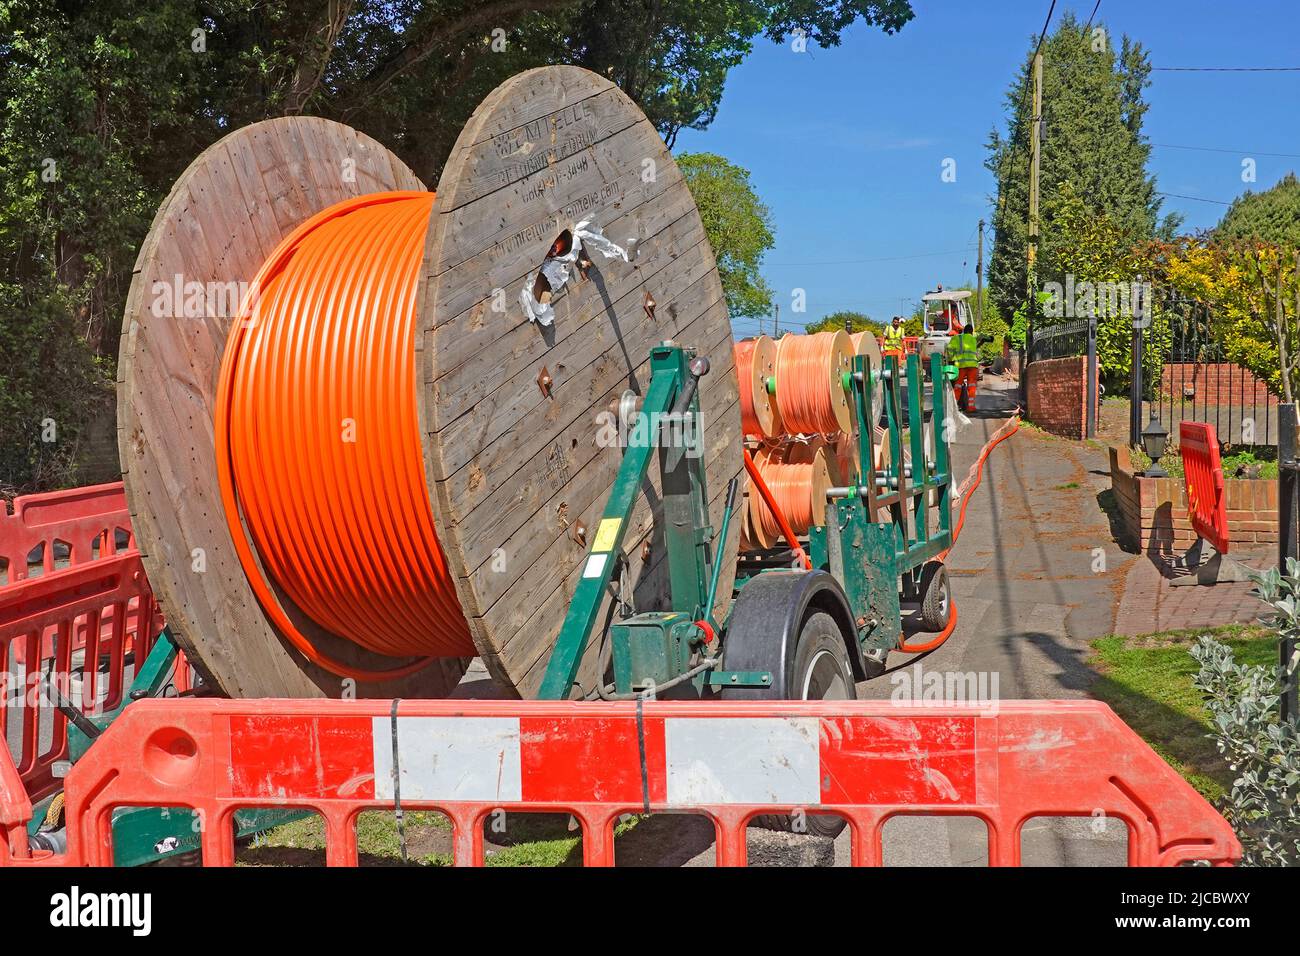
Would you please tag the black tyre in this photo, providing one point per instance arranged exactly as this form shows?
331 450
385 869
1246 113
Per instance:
820 671
936 598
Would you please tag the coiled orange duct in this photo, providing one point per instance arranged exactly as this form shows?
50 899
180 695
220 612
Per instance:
759 485
318 443
798 478
810 392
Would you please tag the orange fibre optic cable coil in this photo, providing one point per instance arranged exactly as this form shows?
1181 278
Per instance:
318 441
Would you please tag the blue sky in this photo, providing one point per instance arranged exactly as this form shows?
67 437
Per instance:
846 145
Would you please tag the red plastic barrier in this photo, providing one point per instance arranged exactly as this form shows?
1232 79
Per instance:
81 621
1203 473
85 519
84 616
864 760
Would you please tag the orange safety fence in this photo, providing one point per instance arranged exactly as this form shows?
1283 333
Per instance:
911 343
1203 474
69 631
78 625
88 523
1005 763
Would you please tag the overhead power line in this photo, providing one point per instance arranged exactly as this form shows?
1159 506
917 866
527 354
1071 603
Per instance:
1221 149
1228 69
1046 24
1091 15
849 262
1217 202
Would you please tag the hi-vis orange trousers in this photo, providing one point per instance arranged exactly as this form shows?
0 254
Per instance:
964 388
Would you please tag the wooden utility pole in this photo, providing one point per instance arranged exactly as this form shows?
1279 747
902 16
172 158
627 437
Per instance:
1031 249
979 279
1035 157
776 321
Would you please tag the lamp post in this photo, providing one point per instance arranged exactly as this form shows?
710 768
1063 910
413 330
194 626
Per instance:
1154 438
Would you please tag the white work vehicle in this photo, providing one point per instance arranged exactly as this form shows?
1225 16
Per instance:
940 311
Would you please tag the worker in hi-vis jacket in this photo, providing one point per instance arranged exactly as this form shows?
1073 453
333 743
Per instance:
963 351
894 337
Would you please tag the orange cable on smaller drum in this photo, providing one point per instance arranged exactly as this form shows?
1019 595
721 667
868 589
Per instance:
810 392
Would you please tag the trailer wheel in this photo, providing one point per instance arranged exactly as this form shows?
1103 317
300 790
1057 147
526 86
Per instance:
821 671
821 664
936 598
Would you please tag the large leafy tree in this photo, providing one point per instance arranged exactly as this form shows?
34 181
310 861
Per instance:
738 225
1246 273
1252 289
1093 111
1272 216
1099 256
119 96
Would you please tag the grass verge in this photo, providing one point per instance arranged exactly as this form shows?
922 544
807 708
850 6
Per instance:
1147 680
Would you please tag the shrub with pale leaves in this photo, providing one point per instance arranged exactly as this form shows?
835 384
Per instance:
1263 804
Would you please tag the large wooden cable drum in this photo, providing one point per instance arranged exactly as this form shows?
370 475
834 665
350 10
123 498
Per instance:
506 415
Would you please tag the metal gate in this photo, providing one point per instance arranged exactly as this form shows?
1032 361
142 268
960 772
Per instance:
1195 381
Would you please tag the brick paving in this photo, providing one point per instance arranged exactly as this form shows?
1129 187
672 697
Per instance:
1149 604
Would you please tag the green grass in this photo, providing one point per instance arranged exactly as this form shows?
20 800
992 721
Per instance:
1147 680
529 839
302 842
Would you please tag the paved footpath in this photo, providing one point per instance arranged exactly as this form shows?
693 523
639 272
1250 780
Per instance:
1151 604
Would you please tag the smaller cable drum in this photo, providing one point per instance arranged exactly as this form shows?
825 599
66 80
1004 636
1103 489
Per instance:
865 343
798 476
810 393
755 365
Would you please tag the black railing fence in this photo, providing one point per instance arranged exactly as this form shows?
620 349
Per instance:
1066 339
1196 381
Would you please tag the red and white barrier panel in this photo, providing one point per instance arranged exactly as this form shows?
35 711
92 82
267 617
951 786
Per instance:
82 622
865 761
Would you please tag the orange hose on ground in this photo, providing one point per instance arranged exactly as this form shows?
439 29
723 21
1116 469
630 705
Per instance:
772 505
318 443
965 491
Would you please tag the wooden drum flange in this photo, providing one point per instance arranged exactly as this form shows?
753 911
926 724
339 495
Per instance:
519 470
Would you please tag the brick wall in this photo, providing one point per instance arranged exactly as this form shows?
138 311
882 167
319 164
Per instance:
1214 383
1153 511
1057 397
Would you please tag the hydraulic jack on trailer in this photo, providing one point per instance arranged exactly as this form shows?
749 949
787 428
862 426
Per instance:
879 544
